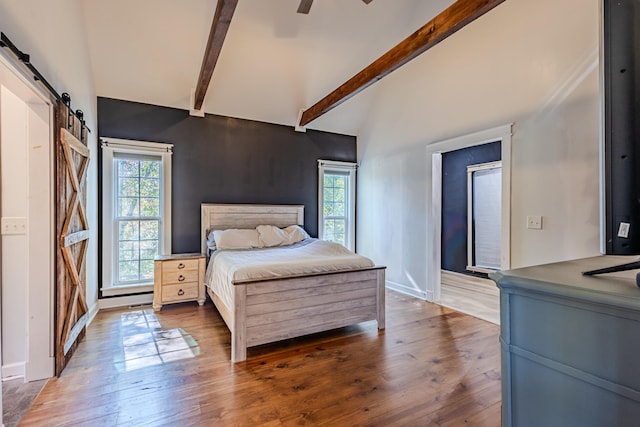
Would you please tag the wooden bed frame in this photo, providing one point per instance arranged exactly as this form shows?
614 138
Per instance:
271 310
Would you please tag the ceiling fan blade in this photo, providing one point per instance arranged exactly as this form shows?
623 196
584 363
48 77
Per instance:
367 1
305 6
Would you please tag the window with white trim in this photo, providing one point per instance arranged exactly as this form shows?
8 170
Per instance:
337 202
136 213
484 217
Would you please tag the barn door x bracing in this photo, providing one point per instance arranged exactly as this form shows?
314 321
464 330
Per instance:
72 158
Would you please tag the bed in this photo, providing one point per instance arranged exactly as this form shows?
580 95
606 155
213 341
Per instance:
265 310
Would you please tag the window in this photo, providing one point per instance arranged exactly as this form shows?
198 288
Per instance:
136 221
484 188
336 202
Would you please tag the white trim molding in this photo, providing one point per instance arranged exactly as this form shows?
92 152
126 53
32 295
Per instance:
348 169
131 146
111 147
35 208
470 213
434 219
13 371
126 301
93 312
407 290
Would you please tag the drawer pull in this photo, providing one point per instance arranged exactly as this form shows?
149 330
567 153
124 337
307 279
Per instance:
181 265
181 278
180 292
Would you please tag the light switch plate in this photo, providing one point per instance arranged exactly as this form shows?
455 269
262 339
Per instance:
14 225
534 222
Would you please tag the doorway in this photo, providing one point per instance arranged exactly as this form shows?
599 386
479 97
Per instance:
435 154
27 232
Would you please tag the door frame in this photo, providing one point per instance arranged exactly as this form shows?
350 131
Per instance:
434 213
39 356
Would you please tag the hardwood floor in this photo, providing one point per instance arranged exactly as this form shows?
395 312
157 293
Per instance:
432 366
17 397
471 295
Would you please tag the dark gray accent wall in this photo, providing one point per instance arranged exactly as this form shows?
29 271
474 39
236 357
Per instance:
454 201
220 159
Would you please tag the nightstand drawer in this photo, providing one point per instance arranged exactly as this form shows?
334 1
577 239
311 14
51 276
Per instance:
179 276
180 265
186 291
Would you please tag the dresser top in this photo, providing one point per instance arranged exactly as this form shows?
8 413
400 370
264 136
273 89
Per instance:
566 279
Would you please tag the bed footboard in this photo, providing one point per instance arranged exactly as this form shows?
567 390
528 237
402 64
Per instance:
274 310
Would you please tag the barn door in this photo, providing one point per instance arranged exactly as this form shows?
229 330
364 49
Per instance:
72 159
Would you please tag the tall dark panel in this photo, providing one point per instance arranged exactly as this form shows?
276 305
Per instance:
621 47
226 160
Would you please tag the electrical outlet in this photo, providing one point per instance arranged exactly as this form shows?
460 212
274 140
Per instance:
623 230
14 225
534 222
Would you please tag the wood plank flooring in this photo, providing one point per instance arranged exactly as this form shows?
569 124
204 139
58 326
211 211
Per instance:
432 366
17 397
471 295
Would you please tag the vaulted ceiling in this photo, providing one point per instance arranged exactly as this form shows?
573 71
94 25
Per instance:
273 63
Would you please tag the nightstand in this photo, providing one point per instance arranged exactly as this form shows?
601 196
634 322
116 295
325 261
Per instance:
178 278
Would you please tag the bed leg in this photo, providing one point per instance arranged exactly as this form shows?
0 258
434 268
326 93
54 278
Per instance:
202 290
381 299
239 332
238 351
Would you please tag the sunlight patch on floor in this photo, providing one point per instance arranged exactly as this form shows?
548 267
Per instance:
145 343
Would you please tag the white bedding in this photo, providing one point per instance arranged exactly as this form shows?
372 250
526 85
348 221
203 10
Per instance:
227 267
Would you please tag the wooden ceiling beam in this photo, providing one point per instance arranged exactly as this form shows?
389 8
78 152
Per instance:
219 27
452 19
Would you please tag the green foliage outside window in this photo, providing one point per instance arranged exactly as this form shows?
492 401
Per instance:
334 207
138 211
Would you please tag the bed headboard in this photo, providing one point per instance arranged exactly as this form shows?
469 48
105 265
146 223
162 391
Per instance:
223 216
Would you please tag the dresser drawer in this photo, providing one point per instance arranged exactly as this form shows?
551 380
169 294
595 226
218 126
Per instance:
177 277
186 291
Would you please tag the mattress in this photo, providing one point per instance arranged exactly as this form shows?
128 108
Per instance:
311 256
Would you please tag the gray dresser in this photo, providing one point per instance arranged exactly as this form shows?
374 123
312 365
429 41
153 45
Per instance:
570 345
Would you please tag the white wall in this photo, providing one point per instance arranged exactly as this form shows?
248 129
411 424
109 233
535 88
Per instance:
531 63
15 277
53 33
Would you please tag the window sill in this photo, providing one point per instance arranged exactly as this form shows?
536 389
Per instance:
126 290
476 269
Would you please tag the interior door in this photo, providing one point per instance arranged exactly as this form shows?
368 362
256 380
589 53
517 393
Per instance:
72 228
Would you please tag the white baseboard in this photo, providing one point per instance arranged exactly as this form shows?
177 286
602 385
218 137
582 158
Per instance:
417 293
13 371
95 308
125 301
43 368
469 283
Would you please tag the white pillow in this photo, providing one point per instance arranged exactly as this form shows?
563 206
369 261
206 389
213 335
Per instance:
270 235
234 238
296 234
